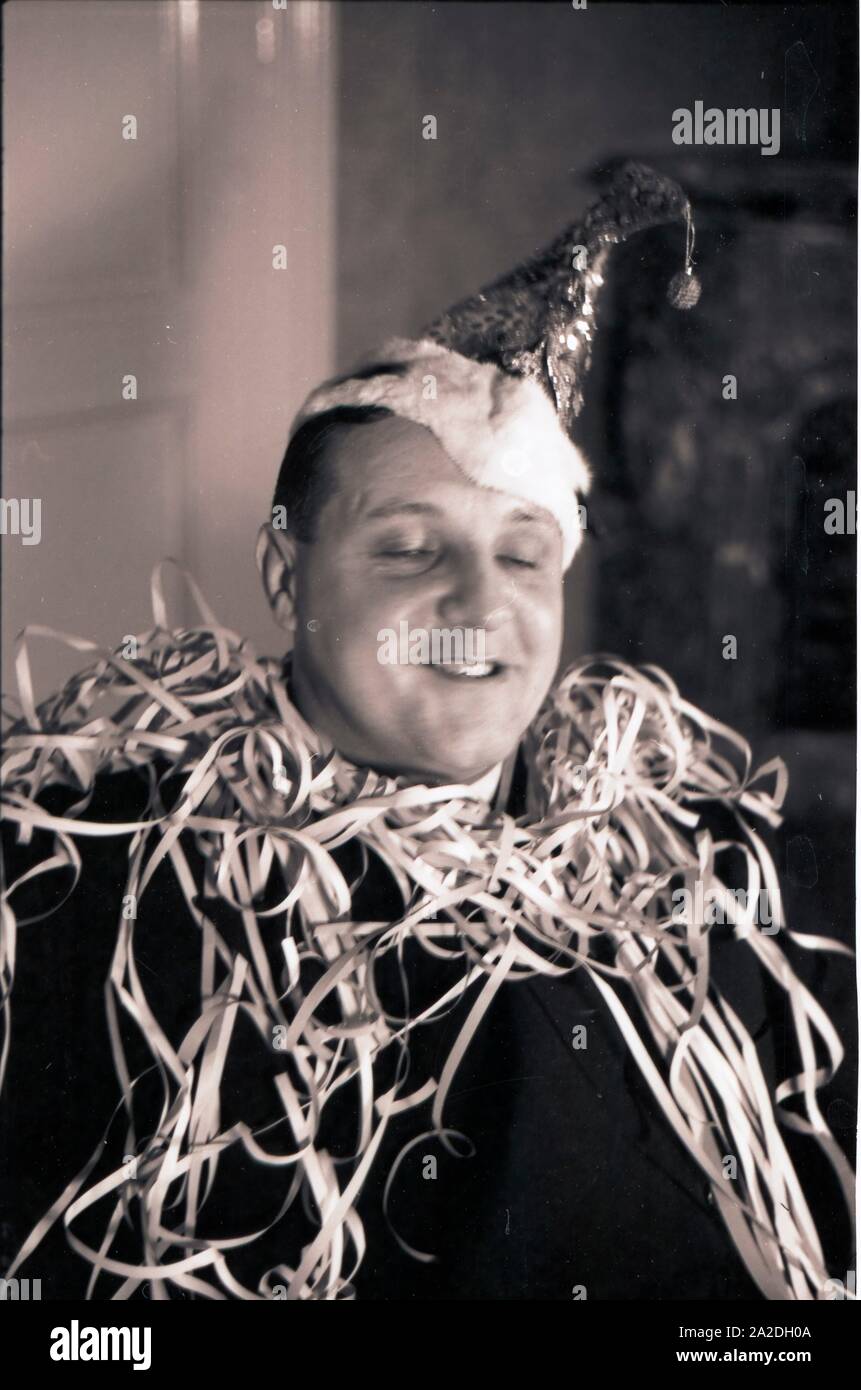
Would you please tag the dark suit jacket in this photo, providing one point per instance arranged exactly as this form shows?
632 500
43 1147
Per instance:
576 1182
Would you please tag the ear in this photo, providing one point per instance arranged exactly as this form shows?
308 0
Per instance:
276 561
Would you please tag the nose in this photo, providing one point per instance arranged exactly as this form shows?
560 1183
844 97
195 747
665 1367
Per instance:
477 594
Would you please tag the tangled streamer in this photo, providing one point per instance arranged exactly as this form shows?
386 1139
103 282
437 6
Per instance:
620 768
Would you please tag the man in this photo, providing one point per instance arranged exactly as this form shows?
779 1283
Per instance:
397 1005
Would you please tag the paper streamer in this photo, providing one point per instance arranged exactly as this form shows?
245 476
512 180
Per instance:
620 770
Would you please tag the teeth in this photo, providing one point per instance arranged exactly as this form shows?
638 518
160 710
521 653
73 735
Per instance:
476 668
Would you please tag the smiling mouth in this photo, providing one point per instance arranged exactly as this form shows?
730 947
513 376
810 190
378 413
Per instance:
468 670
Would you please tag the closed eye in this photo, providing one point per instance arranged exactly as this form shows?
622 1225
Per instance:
409 554
518 560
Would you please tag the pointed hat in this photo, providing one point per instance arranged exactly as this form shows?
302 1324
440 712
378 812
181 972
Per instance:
498 378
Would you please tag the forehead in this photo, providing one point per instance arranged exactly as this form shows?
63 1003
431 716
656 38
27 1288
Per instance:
385 462
384 452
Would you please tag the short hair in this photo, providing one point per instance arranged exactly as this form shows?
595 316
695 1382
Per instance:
305 482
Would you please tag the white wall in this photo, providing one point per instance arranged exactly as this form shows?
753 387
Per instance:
154 257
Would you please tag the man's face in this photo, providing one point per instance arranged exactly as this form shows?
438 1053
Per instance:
406 538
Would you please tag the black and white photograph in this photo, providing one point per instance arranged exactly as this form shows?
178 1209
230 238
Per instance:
429 665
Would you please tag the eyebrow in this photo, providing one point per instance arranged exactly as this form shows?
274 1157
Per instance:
543 518
429 509
390 508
